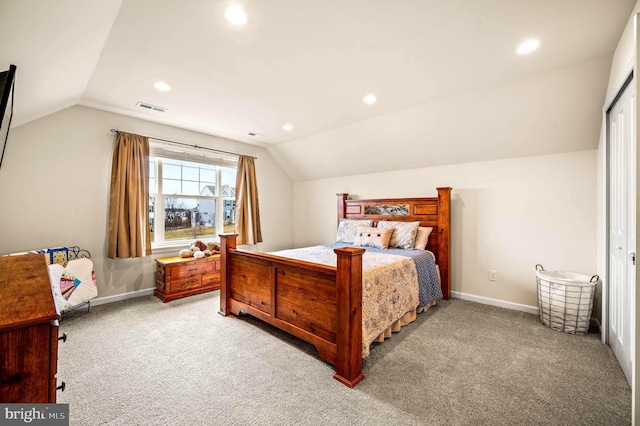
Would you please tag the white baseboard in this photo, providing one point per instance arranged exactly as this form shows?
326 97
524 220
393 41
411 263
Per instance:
495 302
122 296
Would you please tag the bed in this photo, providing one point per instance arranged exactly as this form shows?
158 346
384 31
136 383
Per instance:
320 303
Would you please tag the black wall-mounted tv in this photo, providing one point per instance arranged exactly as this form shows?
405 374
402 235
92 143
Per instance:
7 79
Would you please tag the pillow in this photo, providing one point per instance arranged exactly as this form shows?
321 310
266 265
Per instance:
348 227
73 284
58 255
404 233
422 238
374 237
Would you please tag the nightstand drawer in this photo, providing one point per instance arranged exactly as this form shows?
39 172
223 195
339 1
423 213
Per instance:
186 283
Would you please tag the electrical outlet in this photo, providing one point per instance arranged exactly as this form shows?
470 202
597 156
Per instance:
493 276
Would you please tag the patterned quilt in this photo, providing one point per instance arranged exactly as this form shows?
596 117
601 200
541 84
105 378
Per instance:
389 286
425 261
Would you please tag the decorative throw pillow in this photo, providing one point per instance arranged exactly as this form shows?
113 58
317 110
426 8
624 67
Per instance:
348 227
374 237
58 255
404 233
422 238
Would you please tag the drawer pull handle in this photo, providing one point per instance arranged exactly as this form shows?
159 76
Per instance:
63 337
62 387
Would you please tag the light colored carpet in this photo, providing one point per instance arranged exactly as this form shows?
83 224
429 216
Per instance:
142 362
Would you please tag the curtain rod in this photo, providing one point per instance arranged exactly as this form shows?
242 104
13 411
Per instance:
190 145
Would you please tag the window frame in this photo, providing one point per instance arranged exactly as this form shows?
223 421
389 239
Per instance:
160 152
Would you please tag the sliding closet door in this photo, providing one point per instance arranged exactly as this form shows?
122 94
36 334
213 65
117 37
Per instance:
622 188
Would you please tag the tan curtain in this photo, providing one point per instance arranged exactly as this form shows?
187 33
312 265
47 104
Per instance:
247 210
129 232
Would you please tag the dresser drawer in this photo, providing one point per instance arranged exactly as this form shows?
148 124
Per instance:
211 280
191 268
53 363
185 283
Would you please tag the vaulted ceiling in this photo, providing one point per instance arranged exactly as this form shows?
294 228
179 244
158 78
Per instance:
310 63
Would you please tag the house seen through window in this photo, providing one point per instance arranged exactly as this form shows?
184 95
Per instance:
190 197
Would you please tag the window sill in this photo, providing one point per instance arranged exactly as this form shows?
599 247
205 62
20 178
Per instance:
169 248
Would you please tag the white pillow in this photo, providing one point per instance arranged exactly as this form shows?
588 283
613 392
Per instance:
422 238
404 233
374 237
347 229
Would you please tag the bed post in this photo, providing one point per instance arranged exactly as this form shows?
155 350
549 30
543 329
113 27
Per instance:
444 240
349 318
342 206
227 241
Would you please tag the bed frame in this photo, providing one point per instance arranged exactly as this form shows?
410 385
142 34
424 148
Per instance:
319 304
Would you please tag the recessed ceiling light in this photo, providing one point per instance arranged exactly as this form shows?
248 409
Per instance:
161 86
369 99
235 14
528 46
288 127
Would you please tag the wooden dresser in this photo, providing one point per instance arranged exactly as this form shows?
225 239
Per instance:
178 277
28 331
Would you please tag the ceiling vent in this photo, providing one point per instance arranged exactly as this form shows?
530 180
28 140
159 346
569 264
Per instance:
256 135
150 107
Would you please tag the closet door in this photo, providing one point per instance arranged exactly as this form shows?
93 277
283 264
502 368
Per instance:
621 189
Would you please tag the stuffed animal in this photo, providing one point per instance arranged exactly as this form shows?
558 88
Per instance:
199 249
213 247
198 246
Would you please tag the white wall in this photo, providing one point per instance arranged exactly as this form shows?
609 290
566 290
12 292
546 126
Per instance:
506 215
54 184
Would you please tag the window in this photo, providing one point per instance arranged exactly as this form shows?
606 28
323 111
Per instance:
191 196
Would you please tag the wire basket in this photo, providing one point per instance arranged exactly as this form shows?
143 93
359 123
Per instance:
565 300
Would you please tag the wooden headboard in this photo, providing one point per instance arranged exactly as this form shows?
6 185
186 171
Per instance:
433 212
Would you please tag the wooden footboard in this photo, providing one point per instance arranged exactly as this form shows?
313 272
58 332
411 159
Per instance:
305 299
